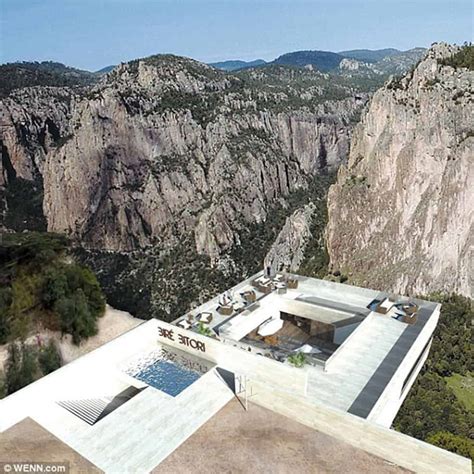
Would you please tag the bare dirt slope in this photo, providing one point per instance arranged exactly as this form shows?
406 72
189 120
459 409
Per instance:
27 441
259 440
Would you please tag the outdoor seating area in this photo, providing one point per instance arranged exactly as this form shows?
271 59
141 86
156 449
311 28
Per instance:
226 310
267 284
204 317
192 321
249 296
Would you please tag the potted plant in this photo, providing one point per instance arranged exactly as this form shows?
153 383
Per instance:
298 359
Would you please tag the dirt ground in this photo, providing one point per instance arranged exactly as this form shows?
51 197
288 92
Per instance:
261 441
27 441
233 441
111 325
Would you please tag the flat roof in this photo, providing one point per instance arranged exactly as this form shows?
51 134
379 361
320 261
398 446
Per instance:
158 423
366 360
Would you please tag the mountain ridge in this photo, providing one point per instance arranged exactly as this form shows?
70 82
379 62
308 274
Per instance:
168 166
420 195
237 64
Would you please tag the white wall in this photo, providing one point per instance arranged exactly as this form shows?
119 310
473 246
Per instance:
281 376
387 406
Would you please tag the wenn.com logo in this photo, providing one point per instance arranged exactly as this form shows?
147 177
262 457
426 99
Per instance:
46 467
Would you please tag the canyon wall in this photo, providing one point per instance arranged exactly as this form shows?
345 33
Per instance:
401 215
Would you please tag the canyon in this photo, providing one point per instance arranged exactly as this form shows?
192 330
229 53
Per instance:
174 179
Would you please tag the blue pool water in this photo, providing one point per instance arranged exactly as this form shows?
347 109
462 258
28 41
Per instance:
167 371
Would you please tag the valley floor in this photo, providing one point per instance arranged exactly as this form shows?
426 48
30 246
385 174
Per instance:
463 388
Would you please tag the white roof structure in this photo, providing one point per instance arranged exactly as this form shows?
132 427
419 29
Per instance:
353 374
358 361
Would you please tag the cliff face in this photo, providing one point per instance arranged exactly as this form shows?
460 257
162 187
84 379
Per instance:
166 147
172 178
32 122
288 250
401 214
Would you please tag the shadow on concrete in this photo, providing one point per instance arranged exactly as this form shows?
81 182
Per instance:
228 377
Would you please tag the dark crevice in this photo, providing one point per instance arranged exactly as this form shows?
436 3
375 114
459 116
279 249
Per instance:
287 177
7 164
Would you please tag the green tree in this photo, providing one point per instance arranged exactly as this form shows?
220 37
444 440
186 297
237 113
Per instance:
431 407
457 444
49 358
298 359
5 302
204 330
55 286
452 349
40 287
84 279
21 367
76 317
463 58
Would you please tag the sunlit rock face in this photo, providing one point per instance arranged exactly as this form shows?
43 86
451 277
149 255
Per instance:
166 146
401 215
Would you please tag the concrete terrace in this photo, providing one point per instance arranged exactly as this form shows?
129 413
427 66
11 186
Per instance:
353 376
138 435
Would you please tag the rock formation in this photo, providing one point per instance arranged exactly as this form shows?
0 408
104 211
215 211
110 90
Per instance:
166 146
288 250
401 215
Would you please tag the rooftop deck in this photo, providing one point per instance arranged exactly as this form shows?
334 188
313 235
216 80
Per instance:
347 370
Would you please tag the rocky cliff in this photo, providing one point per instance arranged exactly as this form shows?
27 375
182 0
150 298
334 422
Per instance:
167 158
166 146
401 214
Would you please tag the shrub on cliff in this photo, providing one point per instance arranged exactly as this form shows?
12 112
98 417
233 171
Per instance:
42 287
451 442
21 367
49 358
463 58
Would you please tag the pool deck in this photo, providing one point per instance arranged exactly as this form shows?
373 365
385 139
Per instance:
139 434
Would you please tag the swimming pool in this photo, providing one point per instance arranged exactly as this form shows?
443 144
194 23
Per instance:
170 371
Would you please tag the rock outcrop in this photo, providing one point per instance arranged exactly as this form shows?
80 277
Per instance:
33 121
401 215
288 250
166 147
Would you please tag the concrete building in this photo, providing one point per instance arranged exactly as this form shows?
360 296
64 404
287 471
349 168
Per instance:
336 358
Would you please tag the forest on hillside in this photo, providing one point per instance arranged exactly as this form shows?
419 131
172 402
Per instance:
436 411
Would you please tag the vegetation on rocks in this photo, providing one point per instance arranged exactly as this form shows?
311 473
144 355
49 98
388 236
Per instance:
42 288
432 411
47 73
21 367
49 358
463 58
27 363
